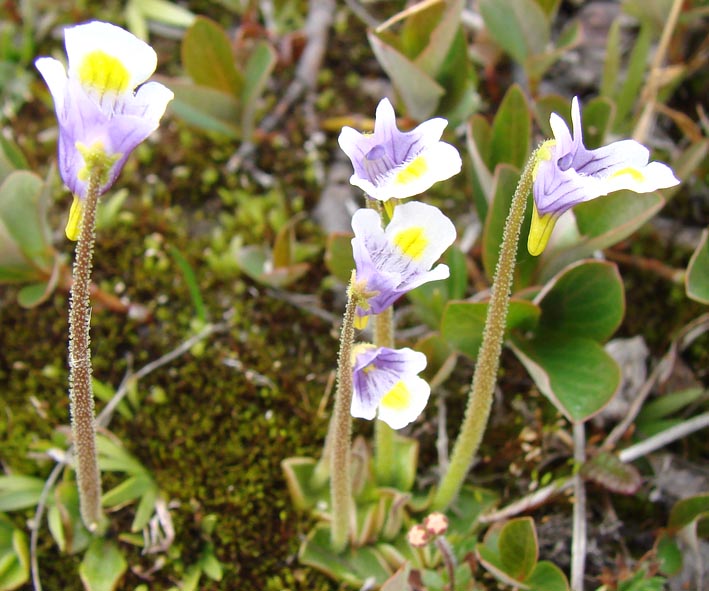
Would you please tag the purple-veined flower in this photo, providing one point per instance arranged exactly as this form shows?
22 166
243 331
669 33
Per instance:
392 261
103 108
393 164
386 384
568 174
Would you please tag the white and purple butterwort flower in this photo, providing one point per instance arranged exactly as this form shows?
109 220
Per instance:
386 384
393 164
568 174
392 261
98 108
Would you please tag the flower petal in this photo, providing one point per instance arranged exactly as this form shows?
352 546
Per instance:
55 76
404 402
420 232
135 56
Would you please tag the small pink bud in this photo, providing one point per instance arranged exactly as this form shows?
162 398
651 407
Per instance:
418 536
436 524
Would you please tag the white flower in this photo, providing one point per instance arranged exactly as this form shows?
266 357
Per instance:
393 164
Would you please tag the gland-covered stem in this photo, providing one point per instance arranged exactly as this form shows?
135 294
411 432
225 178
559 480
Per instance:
81 399
383 433
482 388
340 433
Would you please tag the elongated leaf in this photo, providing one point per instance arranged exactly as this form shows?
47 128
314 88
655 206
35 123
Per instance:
14 556
585 300
418 90
520 27
611 66
431 59
19 492
696 280
206 108
633 79
130 489
511 130
504 186
575 373
258 70
208 58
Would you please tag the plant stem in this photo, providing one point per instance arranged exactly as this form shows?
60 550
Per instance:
578 542
341 431
485 377
383 433
81 399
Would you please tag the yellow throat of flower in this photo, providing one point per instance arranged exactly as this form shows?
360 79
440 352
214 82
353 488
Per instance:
104 72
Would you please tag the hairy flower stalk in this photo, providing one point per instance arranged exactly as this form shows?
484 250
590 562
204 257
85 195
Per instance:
340 433
488 361
81 399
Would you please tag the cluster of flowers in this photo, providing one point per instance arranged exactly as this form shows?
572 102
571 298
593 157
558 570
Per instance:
391 261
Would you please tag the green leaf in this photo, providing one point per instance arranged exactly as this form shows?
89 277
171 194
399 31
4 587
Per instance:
165 12
23 201
113 457
103 566
256 261
19 492
130 489
633 80
14 556
669 555
430 298
418 90
471 503
546 576
338 255
463 322
504 186
188 274
607 470
11 158
511 130
603 222
64 519
585 300
688 510
206 108
575 373
406 453
442 38
145 509
520 27
669 403
208 58
611 67
304 491
34 294
597 116
518 547
258 70
354 566
696 280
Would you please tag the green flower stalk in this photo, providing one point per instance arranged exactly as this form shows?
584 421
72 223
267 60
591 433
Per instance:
482 388
383 433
